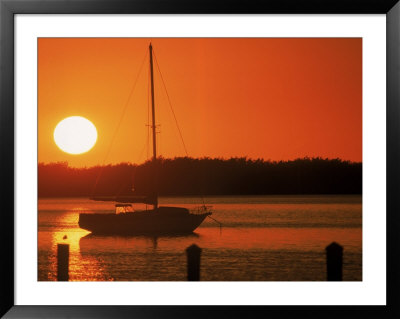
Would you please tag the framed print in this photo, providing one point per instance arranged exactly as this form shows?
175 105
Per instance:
167 159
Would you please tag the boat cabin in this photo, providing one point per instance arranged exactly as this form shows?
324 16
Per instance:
123 208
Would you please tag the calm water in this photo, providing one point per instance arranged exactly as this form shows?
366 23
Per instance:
274 238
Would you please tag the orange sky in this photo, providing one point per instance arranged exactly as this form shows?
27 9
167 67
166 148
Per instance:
274 99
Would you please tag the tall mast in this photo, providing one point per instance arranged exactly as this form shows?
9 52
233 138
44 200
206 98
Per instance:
153 127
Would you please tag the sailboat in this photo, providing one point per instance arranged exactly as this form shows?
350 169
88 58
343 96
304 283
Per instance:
160 220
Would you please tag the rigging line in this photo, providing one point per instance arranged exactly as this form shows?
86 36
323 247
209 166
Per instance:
142 152
176 121
170 104
147 141
119 123
135 166
148 113
145 147
220 224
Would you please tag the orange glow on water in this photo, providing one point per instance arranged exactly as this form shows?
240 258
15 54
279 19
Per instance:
280 238
92 258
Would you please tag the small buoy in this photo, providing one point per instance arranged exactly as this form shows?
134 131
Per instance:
65 237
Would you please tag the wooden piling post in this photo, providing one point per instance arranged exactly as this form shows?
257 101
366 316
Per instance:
62 262
193 254
334 262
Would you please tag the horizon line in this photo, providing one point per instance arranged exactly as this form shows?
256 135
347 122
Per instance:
206 157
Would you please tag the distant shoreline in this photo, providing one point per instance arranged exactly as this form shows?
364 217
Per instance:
185 176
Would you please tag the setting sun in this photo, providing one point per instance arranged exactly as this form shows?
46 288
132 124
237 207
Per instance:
75 135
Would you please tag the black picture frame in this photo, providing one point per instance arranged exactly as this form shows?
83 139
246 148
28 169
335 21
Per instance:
8 8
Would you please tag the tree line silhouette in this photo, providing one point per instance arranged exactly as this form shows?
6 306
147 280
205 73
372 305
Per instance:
183 176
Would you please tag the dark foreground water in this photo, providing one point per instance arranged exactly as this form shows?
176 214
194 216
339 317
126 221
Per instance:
263 238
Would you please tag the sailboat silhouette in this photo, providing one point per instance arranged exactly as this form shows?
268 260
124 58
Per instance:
159 220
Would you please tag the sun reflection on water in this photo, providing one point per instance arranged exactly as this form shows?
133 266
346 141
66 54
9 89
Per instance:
82 267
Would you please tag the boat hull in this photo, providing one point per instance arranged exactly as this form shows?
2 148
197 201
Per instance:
161 221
